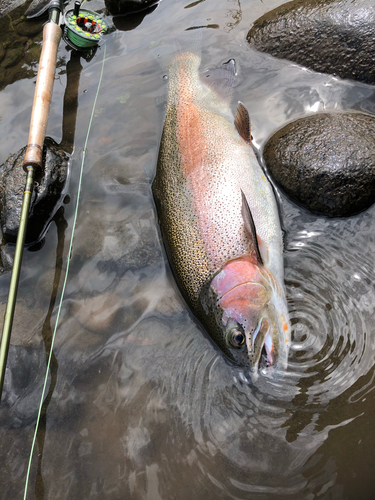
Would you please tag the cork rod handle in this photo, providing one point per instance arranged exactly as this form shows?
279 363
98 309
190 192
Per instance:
42 96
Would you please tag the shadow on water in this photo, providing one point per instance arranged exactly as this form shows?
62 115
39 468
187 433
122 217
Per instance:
131 21
348 469
47 335
70 106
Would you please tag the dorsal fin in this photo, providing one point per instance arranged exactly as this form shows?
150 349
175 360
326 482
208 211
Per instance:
250 226
242 122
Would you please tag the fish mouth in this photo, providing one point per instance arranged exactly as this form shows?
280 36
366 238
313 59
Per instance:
262 353
267 354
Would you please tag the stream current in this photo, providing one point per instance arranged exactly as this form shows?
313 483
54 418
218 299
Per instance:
139 403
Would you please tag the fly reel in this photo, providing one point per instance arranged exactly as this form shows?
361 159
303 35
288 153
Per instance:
83 29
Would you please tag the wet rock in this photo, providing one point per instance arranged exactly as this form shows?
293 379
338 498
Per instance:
329 36
6 257
116 7
18 34
37 8
28 28
40 7
46 195
118 245
28 318
97 313
326 162
33 53
7 6
2 52
13 56
23 382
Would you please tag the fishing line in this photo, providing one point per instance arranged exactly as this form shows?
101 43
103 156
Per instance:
66 276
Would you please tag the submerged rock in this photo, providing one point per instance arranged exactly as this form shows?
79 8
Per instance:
19 35
23 382
326 162
13 56
7 6
46 195
329 36
118 245
116 7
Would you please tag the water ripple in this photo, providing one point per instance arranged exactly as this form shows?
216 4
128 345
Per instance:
329 278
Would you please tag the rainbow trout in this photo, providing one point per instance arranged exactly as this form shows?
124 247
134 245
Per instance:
220 222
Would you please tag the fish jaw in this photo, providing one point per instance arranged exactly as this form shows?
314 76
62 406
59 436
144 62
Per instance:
249 309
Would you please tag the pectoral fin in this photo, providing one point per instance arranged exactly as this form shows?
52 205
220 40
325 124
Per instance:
250 227
242 122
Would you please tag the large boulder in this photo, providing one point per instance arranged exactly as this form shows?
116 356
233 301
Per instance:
46 195
329 36
326 162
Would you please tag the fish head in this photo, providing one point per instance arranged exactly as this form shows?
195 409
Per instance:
248 315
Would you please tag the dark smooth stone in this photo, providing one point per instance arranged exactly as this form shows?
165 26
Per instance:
329 36
46 195
326 162
116 7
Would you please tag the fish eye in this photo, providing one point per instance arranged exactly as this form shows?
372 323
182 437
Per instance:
236 338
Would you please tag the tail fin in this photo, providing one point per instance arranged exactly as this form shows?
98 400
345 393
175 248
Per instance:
186 52
222 79
190 41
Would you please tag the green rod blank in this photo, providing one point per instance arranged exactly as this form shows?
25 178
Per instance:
32 160
13 287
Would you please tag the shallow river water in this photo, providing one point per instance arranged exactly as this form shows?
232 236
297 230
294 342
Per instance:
139 404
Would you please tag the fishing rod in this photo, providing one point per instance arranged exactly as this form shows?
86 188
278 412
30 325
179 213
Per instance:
82 31
32 161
